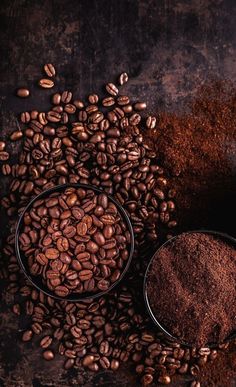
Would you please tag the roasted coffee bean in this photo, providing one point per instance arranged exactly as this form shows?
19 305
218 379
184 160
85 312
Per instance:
25 117
52 253
6 169
151 122
66 96
135 119
93 98
164 379
4 156
112 89
46 83
108 101
2 145
140 106
27 335
56 99
61 291
46 342
49 70
53 116
123 78
48 355
23 93
87 360
62 244
147 379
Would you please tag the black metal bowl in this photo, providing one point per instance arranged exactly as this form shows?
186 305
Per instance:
229 239
37 281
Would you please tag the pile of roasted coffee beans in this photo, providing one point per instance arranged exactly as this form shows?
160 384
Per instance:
100 142
76 240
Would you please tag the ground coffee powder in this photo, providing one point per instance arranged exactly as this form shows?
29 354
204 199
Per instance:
221 372
198 148
191 288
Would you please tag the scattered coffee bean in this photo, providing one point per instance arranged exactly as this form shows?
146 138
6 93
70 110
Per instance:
46 342
16 135
27 335
6 169
123 78
25 117
48 355
46 83
4 155
140 106
23 93
49 70
2 145
112 89
151 122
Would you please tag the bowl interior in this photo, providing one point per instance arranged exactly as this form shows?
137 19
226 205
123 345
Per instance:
229 239
36 280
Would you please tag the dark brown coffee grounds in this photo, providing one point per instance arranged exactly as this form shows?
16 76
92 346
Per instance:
191 288
198 148
222 371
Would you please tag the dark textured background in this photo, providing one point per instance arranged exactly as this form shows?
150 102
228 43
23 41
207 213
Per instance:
168 48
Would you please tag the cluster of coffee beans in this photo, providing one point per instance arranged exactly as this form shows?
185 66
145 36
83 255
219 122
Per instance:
76 240
99 143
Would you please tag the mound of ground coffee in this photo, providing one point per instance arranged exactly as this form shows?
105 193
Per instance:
191 288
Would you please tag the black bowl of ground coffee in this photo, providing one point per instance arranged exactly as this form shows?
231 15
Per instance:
189 288
74 242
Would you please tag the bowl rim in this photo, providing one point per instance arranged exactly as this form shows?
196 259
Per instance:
72 297
156 322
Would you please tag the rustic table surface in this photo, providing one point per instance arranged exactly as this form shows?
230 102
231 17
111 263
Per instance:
168 47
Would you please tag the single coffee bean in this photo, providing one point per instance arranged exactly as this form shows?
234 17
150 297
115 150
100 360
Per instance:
164 379
108 101
88 360
66 96
2 146
56 99
46 342
140 106
62 244
134 119
6 169
123 78
16 135
46 83
4 156
151 122
49 70
25 117
93 98
81 228
85 275
27 335
41 258
22 93
112 89
48 355
52 253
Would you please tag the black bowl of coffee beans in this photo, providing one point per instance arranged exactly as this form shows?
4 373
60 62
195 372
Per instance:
189 288
74 241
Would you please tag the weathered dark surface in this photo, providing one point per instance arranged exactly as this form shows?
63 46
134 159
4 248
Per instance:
167 47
